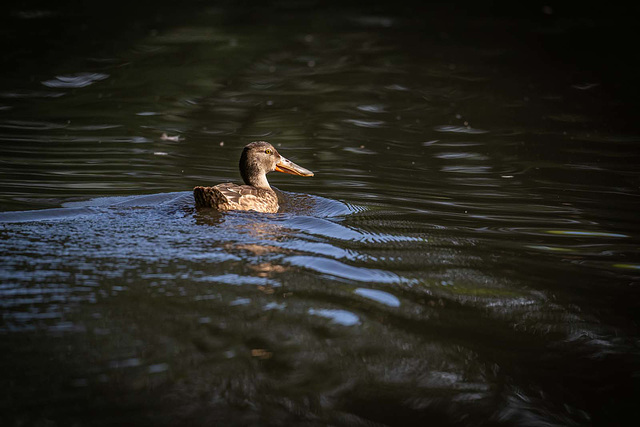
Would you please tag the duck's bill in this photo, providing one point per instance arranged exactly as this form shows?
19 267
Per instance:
287 166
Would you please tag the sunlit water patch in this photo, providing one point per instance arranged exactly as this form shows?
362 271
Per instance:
72 249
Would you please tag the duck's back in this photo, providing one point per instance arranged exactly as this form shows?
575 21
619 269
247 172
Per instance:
229 196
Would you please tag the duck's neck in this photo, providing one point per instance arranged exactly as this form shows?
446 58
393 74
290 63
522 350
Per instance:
252 173
258 181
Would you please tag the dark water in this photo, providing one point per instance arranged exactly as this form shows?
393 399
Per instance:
466 254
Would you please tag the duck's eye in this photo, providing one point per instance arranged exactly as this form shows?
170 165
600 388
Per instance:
268 151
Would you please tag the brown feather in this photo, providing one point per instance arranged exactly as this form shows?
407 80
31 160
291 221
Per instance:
229 196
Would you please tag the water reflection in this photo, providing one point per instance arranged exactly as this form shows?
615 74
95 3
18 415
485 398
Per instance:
75 81
341 317
378 296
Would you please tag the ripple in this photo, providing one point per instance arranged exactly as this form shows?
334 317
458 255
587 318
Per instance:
374 21
29 94
461 155
158 368
341 317
379 296
467 169
359 150
585 86
366 123
236 279
548 248
397 87
30 125
459 129
372 108
17 148
240 301
585 233
333 230
44 215
125 363
75 81
338 269
627 266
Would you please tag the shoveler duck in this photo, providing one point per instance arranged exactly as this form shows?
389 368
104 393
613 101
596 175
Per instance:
257 160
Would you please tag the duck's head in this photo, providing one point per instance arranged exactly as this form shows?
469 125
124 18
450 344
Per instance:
259 158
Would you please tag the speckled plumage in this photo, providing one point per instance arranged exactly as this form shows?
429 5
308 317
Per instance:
230 197
258 159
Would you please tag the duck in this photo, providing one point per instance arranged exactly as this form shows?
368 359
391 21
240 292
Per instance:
257 160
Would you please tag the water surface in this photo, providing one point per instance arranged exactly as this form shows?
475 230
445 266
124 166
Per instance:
466 253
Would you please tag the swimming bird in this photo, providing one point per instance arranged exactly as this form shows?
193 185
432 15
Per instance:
257 160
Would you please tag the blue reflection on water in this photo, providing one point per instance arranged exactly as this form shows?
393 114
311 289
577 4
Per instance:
378 296
341 317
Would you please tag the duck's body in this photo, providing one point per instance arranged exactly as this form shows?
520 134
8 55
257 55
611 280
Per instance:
258 159
234 197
